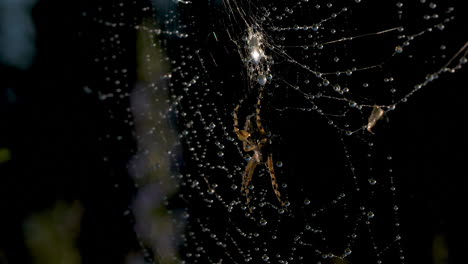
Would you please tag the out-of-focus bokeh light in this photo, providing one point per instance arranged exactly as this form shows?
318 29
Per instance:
17 33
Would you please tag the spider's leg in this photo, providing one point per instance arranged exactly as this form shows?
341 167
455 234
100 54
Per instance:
249 171
263 142
258 119
236 119
248 146
274 183
242 135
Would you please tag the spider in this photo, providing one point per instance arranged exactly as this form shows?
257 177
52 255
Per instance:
255 139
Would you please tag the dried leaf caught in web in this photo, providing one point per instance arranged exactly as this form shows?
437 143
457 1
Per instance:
376 115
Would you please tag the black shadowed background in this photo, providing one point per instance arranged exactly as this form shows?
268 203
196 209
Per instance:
66 185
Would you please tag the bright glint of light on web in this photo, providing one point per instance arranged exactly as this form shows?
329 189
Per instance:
255 54
254 41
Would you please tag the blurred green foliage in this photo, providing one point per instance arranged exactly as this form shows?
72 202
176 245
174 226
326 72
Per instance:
51 235
440 250
5 155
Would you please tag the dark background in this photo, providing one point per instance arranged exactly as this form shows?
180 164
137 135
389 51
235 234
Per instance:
54 131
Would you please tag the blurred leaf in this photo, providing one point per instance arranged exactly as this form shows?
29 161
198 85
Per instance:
440 250
51 235
5 155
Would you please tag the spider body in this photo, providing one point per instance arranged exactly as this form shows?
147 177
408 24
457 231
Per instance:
255 139
253 135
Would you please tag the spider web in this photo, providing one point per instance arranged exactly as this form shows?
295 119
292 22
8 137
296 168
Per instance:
333 74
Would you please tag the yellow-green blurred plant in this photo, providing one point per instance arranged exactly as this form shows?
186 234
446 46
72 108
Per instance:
51 235
5 155
157 140
439 250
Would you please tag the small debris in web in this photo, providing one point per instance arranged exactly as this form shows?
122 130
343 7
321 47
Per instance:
376 115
